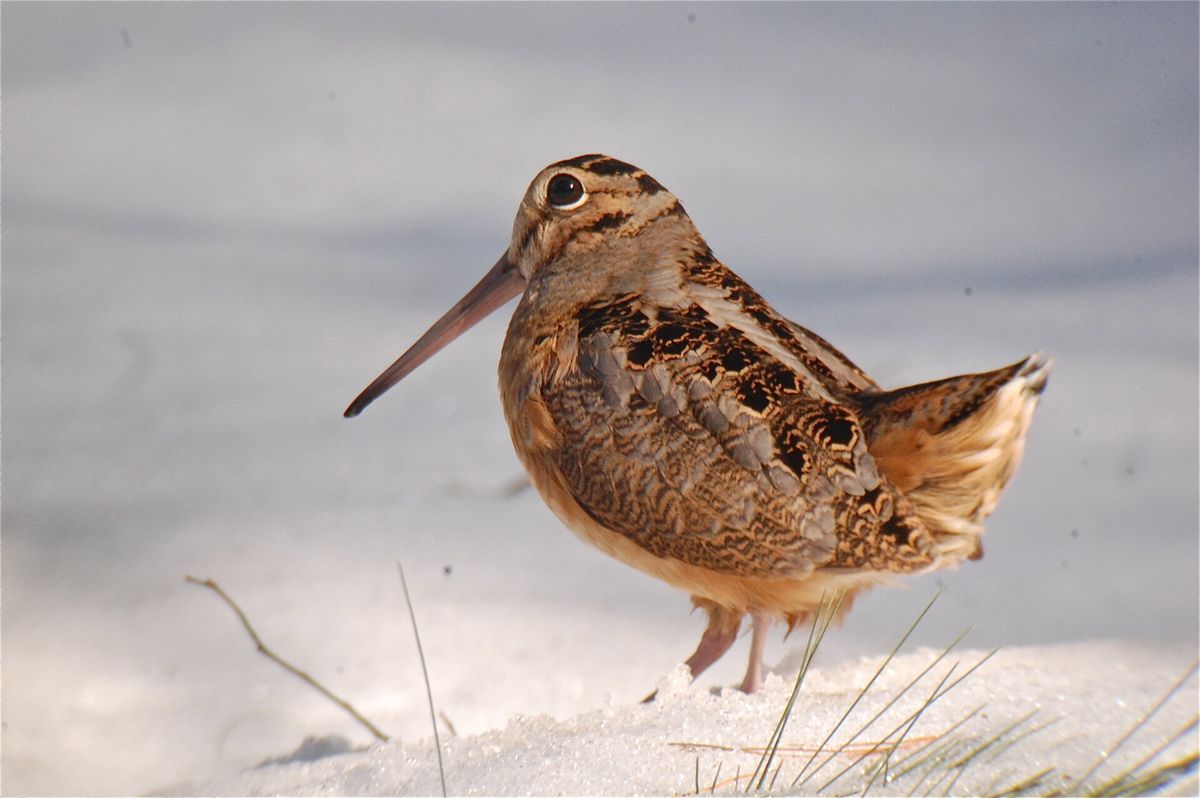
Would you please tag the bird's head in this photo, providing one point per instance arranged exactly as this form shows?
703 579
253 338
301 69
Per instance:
590 225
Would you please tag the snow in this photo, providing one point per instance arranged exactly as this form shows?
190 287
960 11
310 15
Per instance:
221 221
1060 707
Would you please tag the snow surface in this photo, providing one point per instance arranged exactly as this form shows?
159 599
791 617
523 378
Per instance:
1059 707
220 221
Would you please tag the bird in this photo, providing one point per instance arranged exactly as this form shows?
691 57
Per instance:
675 420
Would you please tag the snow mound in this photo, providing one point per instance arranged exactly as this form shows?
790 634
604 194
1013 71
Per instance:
1041 717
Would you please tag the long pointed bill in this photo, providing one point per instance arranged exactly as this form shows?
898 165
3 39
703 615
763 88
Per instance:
502 282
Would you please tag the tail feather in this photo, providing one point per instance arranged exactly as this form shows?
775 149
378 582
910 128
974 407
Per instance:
952 445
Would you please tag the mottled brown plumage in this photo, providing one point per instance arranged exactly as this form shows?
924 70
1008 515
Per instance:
672 418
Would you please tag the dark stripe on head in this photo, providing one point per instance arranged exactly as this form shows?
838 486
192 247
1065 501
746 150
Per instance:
674 209
649 184
581 161
611 166
526 236
608 221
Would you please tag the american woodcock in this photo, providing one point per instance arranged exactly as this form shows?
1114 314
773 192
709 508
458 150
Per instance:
675 420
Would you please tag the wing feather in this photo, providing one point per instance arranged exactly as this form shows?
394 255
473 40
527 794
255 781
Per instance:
689 439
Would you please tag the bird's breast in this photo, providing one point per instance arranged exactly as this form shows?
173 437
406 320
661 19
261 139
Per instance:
540 349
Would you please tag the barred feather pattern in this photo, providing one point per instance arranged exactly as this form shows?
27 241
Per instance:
673 418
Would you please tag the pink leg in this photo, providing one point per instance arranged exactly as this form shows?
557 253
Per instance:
718 636
758 643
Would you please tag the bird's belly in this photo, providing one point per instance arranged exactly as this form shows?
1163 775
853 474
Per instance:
670 547
788 597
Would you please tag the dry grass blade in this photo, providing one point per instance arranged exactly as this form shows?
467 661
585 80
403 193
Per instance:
1074 789
999 750
1188 783
935 761
937 695
826 612
1118 784
437 741
959 766
794 749
883 743
975 752
1025 785
1170 774
798 781
281 662
863 728
778 768
946 776
937 764
941 744
885 760
887 661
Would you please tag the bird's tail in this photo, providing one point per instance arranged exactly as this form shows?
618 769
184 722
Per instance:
952 445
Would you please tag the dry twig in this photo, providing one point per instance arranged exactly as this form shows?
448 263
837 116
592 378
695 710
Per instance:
271 655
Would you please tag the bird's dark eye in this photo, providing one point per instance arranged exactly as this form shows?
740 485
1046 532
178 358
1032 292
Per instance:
565 192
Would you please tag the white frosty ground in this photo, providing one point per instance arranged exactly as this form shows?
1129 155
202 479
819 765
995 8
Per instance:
1048 713
140 681
221 220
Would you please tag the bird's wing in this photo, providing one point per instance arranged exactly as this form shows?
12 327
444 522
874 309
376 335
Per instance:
848 376
687 437
819 358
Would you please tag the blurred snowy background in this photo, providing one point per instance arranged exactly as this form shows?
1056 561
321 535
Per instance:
221 221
